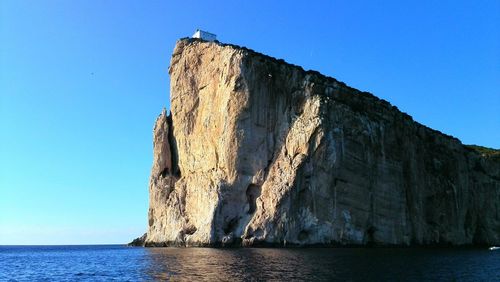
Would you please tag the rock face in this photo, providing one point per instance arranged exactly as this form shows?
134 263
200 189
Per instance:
257 151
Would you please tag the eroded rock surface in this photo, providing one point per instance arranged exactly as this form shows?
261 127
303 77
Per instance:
258 151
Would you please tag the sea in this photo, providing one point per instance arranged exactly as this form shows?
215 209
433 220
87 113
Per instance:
123 263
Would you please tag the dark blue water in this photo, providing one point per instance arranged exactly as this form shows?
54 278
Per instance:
120 263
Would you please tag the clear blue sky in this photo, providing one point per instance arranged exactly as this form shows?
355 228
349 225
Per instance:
81 83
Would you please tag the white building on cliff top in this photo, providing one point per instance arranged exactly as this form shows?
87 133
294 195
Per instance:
207 36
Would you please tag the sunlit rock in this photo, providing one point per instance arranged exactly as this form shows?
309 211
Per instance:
258 151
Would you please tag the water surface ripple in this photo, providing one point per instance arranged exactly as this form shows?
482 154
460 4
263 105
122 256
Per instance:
121 263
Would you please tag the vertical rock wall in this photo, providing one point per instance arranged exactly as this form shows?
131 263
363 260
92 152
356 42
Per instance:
257 151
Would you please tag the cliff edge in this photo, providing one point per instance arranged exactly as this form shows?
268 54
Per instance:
260 152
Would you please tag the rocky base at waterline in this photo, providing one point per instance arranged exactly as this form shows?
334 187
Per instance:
260 152
139 241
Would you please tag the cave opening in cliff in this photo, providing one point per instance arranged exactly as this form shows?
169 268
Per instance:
253 192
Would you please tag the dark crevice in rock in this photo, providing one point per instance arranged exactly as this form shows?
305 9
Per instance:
230 225
175 171
253 192
165 172
370 235
248 234
190 230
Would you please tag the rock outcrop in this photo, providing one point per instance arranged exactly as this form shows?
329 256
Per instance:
257 151
138 242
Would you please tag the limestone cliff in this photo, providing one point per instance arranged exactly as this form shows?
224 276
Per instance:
258 151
